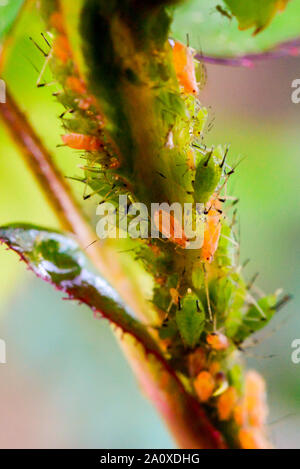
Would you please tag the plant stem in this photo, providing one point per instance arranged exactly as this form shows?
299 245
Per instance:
183 415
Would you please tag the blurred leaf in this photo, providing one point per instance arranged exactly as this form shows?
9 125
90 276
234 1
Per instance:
8 12
255 12
213 33
57 259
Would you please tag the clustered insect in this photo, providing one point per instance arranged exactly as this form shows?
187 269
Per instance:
205 309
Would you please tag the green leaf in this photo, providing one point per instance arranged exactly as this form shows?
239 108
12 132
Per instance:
214 34
57 259
255 13
9 10
190 322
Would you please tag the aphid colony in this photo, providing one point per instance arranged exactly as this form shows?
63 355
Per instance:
205 309
82 120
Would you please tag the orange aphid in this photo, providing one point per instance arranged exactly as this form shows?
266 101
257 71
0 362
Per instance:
56 21
184 67
174 295
252 438
226 403
160 280
82 142
281 4
214 368
255 399
76 85
240 415
169 227
204 385
196 361
217 341
114 163
212 230
61 48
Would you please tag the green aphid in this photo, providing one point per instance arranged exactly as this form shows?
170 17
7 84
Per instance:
256 317
208 174
236 378
190 320
168 330
225 254
200 120
221 291
234 312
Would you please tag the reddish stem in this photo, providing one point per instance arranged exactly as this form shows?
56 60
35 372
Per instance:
285 49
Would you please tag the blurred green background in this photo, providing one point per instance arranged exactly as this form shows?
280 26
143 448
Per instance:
66 383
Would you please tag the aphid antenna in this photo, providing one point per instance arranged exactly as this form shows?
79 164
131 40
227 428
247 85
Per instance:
281 419
254 355
266 335
242 266
252 281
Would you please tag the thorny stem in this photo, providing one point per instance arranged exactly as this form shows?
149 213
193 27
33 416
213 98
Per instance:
62 201
183 415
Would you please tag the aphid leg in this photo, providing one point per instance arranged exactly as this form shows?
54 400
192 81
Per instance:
207 296
46 41
253 301
251 283
67 111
